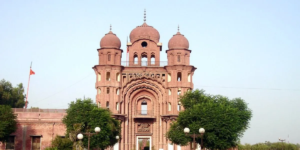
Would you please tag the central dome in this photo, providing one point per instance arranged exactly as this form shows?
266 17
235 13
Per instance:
144 32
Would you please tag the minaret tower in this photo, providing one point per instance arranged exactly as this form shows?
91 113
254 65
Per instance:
179 70
108 72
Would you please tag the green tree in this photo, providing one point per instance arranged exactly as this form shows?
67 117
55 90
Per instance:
8 123
61 143
87 113
12 96
224 120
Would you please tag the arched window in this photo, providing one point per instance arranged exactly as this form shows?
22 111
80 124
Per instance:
117 106
144 59
118 77
152 59
107 76
99 76
117 91
189 77
179 91
107 90
179 76
179 107
170 92
144 108
169 106
107 104
108 56
169 77
135 59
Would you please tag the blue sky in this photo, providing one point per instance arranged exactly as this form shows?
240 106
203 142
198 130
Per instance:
247 49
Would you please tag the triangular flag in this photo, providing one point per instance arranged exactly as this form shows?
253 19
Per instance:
32 72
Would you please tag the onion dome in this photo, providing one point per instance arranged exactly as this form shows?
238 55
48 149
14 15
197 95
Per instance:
110 40
178 41
144 32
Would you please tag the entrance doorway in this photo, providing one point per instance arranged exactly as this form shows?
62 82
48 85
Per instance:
143 143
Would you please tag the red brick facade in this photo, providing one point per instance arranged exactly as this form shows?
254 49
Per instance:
143 92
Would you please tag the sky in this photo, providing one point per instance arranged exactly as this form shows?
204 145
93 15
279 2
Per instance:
247 49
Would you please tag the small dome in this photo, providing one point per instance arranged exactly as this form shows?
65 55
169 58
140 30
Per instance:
178 41
110 40
144 32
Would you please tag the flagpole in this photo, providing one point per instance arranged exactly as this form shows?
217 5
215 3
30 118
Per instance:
28 88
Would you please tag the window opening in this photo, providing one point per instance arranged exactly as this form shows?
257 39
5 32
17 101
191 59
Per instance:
170 92
170 106
144 44
107 104
99 91
108 57
144 108
117 106
118 77
169 77
178 107
178 76
107 90
178 58
36 143
124 78
99 104
107 76
99 77
152 59
189 77
117 91
135 59
144 60
179 91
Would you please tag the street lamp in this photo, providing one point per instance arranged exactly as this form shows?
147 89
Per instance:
186 130
89 134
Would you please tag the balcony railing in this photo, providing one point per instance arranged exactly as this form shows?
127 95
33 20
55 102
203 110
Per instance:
144 112
144 63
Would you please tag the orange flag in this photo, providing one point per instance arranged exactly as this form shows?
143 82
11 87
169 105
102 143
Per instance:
32 72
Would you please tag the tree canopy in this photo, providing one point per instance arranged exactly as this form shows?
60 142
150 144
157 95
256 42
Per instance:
269 145
8 123
12 96
224 120
87 115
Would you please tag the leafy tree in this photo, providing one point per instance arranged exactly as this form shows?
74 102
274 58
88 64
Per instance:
87 113
61 143
12 96
8 123
224 120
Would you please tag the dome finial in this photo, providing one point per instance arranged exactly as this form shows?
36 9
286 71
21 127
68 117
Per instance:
144 15
110 27
178 28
